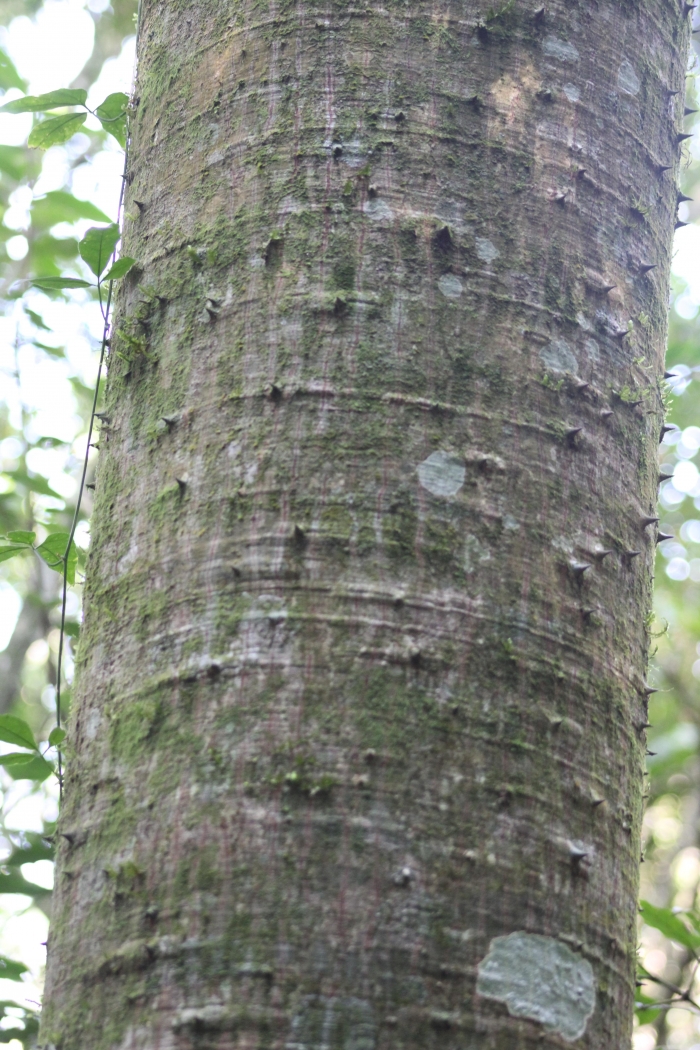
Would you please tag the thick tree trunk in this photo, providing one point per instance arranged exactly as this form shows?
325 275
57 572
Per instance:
362 679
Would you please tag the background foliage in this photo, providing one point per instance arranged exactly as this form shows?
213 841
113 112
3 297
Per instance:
49 348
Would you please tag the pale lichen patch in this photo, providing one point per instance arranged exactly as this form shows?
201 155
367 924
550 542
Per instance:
539 978
442 474
486 249
560 49
627 79
558 356
450 286
378 209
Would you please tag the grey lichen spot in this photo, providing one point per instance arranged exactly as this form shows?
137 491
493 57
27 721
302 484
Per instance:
572 92
442 474
539 978
559 357
560 49
486 249
627 79
509 522
378 209
450 286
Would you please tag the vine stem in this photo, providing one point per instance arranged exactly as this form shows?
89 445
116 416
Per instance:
105 310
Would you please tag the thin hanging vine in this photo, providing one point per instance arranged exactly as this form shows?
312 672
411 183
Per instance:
98 249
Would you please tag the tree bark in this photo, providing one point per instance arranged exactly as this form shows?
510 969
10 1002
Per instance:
358 742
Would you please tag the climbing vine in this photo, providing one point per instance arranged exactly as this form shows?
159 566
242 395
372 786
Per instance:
59 115
98 249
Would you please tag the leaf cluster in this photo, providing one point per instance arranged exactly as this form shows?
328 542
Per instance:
54 131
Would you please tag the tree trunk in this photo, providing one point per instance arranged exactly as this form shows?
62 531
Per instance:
358 741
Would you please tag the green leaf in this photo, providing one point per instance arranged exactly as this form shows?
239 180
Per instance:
43 103
59 206
16 883
120 268
57 736
7 552
112 115
9 77
22 537
36 319
26 767
35 483
50 442
31 847
55 284
53 351
55 130
97 246
72 630
15 731
670 925
11 969
13 162
52 550
644 1008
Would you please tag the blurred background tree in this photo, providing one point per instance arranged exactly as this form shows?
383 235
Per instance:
48 360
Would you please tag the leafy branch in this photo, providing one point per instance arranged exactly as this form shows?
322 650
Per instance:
53 131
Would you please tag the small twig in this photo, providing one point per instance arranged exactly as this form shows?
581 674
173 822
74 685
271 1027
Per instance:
683 996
